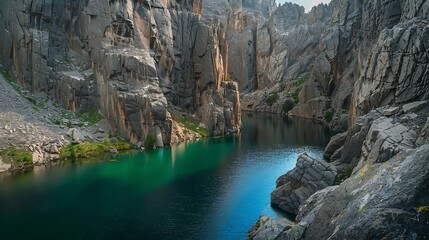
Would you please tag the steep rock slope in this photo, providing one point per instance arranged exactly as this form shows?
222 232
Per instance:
137 61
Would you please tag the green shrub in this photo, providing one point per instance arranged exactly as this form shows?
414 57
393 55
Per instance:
272 99
328 116
193 124
300 81
92 116
288 105
295 97
341 177
10 80
16 155
149 142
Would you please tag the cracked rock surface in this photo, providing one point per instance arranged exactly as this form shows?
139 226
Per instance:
386 195
308 176
133 60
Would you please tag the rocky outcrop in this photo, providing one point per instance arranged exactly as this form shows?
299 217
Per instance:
133 60
334 146
378 136
386 195
4 167
295 187
266 228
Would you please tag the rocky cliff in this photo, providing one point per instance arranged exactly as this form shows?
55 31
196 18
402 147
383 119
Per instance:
384 161
362 67
334 63
138 62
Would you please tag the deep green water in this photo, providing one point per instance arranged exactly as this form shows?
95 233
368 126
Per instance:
210 189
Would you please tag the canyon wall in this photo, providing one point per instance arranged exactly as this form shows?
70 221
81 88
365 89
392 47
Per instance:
365 73
334 63
135 61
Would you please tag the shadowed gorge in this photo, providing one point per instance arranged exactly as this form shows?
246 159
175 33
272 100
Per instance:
123 119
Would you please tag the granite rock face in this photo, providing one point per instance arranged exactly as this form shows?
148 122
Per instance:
294 188
385 197
133 60
344 58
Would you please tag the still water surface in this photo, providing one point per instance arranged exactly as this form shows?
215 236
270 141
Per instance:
210 189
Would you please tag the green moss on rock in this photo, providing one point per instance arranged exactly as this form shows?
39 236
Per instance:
92 149
16 156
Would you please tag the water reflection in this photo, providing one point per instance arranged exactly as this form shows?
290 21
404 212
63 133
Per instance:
209 189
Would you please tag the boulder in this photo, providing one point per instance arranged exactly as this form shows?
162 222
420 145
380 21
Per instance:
390 111
414 106
308 176
424 134
4 167
75 135
268 228
54 149
334 144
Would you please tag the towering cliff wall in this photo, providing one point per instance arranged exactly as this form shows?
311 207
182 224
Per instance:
334 63
134 60
364 69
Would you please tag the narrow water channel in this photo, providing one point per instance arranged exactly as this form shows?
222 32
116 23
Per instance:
210 189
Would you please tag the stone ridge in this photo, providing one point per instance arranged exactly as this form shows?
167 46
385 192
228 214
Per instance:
138 62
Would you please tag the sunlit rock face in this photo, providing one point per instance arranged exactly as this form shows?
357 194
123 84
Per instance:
133 60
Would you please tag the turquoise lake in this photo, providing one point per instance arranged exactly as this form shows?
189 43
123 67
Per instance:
208 189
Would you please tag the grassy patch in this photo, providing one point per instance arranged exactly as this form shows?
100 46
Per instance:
10 80
92 116
343 176
272 99
300 81
328 116
92 149
42 104
35 108
149 142
15 156
193 124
